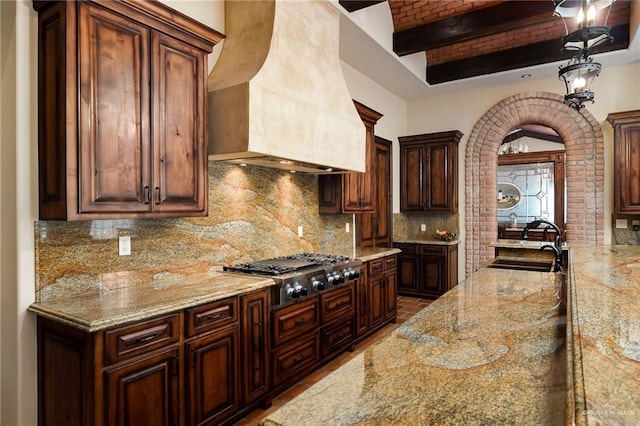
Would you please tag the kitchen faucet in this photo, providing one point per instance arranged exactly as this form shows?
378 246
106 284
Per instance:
557 247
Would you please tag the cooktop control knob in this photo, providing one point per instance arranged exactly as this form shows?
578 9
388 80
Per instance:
296 290
317 284
351 274
337 278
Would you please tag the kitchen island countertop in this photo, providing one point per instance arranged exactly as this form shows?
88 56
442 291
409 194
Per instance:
497 349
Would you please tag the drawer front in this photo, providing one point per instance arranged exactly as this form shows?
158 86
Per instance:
337 303
137 339
376 267
211 316
437 250
295 358
337 337
390 263
293 321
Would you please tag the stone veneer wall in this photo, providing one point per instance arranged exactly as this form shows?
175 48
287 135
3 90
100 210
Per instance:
584 147
254 213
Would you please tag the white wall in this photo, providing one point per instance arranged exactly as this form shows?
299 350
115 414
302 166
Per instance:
18 212
616 89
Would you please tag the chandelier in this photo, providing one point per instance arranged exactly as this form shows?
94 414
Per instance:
585 23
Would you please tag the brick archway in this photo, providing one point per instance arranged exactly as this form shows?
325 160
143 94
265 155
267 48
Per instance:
584 169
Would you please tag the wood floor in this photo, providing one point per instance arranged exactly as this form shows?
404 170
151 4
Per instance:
407 307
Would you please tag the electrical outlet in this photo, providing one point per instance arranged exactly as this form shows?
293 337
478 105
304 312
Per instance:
621 223
124 246
423 227
300 231
347 227
635 225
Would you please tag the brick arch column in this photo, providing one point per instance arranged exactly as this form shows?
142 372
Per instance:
584 169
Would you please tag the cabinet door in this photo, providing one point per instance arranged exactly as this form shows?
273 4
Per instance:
374 229
362 304
114 146
412 191
432 278
390 295
180 164
627 157
441 180
408 274
144 392
254 346
213 378
376 301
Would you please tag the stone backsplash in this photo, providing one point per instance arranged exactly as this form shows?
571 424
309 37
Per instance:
254 213
407 226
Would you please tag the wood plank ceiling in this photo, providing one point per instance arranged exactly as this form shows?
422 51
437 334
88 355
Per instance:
469 38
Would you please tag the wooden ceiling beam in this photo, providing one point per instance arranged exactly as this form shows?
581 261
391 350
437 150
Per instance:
518 57
353 5
479 23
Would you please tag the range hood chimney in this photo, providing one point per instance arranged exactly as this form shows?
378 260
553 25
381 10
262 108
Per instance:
277 95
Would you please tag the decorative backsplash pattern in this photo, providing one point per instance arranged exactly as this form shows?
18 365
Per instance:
254 213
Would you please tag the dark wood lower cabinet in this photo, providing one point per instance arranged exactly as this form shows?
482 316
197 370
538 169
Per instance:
213 377
184 368
376 296
208 364
145 391
427 270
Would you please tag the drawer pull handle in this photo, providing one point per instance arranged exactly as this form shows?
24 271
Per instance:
299 358
341 335
299 321
147 338
340 303
213 317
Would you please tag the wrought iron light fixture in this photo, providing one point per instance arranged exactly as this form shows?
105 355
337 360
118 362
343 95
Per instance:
585 23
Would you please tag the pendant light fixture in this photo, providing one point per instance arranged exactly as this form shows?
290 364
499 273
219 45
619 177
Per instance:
585 23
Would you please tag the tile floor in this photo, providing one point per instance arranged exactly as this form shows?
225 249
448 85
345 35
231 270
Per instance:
407 307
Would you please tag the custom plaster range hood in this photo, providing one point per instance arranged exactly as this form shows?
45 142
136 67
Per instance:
277 96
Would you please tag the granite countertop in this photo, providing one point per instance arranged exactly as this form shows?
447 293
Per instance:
97 303
371 253
518 244
102 304
496 349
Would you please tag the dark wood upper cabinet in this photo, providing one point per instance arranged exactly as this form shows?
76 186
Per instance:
376 229
122 110
626 151
429 172
352 192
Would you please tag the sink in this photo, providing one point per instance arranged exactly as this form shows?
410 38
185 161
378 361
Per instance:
538 265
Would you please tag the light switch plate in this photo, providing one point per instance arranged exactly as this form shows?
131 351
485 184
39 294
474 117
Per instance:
621 224
347 227
300 231
423 227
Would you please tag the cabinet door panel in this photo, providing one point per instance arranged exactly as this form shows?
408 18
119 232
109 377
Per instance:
408 274
629 163
180 161
438 178
114 107
391 296
213 377
433 273
412 192
376 300
255 346
144 392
